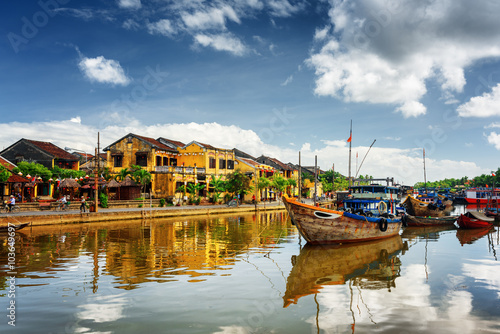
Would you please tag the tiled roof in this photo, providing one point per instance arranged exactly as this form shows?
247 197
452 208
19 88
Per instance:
175 142
14 178
6 163
52 149
156 143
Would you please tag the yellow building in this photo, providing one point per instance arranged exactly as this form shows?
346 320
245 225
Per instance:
200 161
151 154
255 170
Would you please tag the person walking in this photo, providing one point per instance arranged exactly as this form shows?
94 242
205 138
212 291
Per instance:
83 207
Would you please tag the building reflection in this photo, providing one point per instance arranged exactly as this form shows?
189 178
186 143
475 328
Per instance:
135 252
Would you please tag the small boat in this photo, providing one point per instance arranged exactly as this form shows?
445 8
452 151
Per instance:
5 228
418 208
430 221
322 226
370 265
474 219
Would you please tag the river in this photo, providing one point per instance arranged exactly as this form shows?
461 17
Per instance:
245 274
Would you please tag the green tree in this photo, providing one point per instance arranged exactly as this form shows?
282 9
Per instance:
33 169
219 187
4 174
194 189
238 183
124 172
63 173
140 176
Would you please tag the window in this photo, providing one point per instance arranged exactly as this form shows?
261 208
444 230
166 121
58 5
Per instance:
211 163
222 164
141 160
230 164
117 161
158 160
165 161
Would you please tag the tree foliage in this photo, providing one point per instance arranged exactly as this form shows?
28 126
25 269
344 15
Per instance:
4 174
33 169
238 182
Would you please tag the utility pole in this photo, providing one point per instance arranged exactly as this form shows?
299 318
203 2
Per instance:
96 183
315 177
300 179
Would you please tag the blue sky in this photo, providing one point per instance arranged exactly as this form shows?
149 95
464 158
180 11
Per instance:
270 77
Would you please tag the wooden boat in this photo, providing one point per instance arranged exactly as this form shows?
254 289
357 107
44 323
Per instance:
474 219
417 208
373 264
5 228
468 236
430 221
372 199
319 226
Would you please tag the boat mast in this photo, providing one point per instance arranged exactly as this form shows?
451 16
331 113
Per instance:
425 177
300 179
350 140
357 171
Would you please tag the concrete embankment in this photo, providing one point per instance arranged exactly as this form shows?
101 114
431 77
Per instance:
108 215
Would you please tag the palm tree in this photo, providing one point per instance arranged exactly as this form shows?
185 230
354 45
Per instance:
219 187
122 175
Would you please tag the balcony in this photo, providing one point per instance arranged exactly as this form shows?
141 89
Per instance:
179 170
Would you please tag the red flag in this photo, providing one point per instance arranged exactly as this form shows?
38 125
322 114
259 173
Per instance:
492 174
350 138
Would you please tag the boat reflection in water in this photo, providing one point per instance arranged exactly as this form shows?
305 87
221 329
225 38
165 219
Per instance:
469 236
369 265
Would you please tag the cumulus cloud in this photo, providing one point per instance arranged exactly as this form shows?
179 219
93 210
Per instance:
388 51
129 4
103 70
210 18
403 164
485 105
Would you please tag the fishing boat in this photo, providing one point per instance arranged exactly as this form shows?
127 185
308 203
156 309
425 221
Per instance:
322 226
429 221
5 228
482 195
474 219
417 208
370 265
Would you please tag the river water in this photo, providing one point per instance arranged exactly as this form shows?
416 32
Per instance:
245 274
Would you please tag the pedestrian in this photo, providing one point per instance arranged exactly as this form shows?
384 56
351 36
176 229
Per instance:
253 199
83 207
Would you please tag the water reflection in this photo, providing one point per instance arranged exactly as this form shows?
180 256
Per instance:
369 265
142 251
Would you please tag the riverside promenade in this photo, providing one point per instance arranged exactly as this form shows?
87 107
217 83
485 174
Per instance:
116 214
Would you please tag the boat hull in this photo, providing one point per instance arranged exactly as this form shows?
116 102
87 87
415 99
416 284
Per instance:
430 221
322 226
417 208
476 220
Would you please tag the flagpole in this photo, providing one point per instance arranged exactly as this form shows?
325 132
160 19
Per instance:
350 140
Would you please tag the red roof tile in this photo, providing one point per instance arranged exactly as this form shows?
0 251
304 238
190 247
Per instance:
7 164
52 149
156 143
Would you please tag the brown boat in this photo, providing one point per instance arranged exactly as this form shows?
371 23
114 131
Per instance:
419 208
322 226
468 236
373 264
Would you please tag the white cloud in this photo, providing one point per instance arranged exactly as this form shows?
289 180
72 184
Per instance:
283 8
287 81
103 70
485 105
129 4
212 18
130 24
494 139
222 42
162 27
404 165
388 51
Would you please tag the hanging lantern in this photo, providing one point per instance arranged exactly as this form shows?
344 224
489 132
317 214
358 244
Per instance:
50 180
20 174
86 176
28 176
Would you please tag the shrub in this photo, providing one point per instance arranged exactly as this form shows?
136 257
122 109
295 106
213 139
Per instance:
103 198
162 203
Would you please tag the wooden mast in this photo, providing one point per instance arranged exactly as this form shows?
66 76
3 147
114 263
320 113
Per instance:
350 140
425 177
